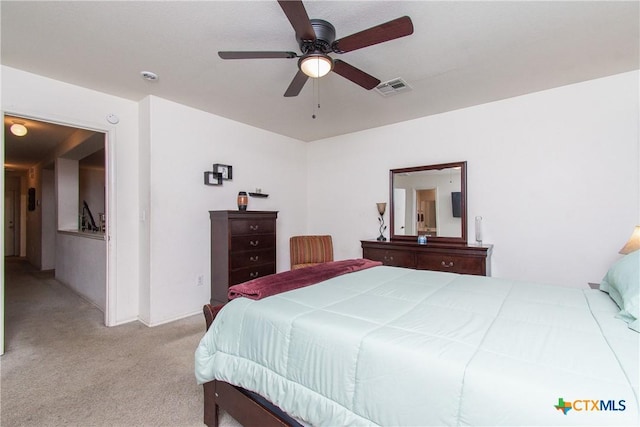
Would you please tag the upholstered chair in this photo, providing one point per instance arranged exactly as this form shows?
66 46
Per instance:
310 250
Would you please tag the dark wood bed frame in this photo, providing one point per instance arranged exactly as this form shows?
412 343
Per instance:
237 402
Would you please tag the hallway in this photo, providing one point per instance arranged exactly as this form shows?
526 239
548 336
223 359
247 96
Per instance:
35 301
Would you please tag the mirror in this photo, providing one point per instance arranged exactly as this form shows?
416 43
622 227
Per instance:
429 200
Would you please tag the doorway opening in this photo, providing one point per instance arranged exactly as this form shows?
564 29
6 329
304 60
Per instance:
427 221
57 204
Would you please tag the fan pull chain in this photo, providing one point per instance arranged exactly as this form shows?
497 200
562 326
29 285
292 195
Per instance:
316 92
313 108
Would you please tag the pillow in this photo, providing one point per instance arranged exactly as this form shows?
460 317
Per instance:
622 283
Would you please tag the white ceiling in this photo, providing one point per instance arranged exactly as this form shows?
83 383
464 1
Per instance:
461 54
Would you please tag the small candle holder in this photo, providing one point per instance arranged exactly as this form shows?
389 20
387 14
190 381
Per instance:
243 201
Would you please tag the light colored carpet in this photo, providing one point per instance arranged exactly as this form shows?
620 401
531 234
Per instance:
62 366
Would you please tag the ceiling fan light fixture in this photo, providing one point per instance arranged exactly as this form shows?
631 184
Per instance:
316 64
18 129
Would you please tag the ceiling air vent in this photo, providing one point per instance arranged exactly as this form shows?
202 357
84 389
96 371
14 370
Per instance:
392 87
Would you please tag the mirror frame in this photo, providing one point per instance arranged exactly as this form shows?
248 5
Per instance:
463 203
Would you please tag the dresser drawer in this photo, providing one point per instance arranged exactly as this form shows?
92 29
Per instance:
391 257
249 273
252 242
252 258
252 226
451 263
451 257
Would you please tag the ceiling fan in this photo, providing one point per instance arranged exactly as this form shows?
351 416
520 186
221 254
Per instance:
316 38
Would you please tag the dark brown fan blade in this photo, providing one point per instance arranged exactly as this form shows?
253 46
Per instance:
296 84
255 55
297 15
357 76
381 33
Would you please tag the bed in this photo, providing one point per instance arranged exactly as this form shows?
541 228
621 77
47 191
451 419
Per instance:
394 346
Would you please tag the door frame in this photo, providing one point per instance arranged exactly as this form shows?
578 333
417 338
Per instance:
110 209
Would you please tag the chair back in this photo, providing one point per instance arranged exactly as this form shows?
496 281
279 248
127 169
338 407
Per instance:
310 250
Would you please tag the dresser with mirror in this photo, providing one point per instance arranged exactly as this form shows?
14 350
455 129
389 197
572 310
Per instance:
430 201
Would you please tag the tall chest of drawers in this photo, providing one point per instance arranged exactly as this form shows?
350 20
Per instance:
243 247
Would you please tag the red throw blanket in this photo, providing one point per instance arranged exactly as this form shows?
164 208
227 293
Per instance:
294 279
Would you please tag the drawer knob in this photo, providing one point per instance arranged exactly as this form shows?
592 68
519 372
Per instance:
254 274
388 258
447 264
254 258
254 242
254 227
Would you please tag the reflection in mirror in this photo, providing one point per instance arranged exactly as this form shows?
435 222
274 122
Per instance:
429 200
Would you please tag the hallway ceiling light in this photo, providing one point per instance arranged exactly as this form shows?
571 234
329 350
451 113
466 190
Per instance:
18 129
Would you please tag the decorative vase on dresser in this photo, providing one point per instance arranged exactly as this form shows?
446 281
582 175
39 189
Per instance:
243 247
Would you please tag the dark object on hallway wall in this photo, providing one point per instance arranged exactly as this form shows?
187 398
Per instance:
32 199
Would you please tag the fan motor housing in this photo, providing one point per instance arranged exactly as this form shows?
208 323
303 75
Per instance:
325 36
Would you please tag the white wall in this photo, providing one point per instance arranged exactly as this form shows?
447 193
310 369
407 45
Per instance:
67 193
35 96
48 220
80 265
144 186
185 142
91 188
33 219
554 175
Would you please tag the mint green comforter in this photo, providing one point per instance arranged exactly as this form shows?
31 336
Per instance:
394 347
